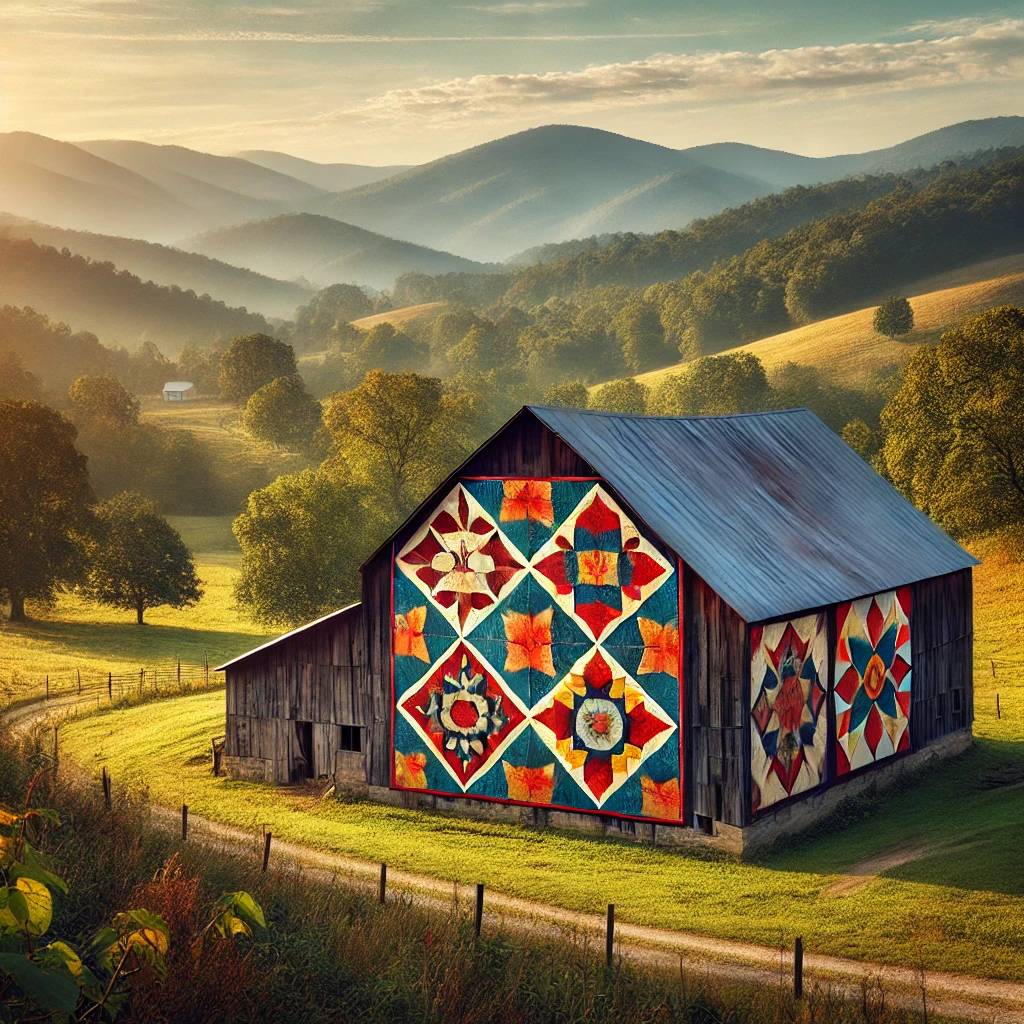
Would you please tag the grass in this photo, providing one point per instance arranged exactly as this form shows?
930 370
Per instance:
77 635
399 316
849 350
960 898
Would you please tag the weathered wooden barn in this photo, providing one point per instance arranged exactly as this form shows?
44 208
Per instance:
664 626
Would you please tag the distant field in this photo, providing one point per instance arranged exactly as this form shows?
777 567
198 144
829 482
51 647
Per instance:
398 316
76 635
847 346
955 900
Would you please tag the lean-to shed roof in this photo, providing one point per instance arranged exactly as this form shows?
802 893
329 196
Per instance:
772 509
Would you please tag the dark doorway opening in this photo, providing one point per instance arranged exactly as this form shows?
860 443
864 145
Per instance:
304 767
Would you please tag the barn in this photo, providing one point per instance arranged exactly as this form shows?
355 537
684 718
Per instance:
663 627
180 391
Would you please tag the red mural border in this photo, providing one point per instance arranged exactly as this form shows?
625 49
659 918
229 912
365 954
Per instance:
680 821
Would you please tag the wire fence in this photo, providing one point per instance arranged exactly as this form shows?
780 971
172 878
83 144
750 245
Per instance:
78 690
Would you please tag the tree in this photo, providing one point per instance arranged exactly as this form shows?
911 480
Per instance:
329 310
861 438
385 348
283 412
250 361
483 348
398 433
954 431
572 394
894 317
138 560
626 396
714 385
103 399
17 382
44 504
302 541
637 326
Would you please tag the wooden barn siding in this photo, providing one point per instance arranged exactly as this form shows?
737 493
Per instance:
716 666
318 676
377 624
942 635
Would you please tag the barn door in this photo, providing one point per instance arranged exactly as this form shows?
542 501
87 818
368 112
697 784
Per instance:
304 767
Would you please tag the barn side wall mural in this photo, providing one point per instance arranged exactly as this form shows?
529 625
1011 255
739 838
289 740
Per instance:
788 715
537 652
873 679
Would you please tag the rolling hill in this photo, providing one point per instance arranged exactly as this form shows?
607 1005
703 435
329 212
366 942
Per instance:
330 177
560 181
848 349
323 250
116 305
168 266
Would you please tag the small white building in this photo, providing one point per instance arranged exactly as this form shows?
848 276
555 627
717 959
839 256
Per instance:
179 391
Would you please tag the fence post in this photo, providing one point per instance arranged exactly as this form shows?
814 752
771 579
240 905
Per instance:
141 676
609 937
266 851
998 712
993 668
383 895
798 969
79 671
478 917
106 787
184 823
47 687
110 687
179 673
206 668
56 747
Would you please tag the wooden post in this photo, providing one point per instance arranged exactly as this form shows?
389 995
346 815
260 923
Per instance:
56 747
206 668
179 673
478 917
142 673
993 669
106 788
47 687
184 823
383 883
266 851
798 969
999 713
110 687
609 937
79 681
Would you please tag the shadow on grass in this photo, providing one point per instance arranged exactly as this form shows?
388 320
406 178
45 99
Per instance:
146 645
966 815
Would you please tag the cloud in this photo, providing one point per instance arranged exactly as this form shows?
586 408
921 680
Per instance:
534 7
986 52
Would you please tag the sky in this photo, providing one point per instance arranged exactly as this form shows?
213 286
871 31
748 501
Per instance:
404 81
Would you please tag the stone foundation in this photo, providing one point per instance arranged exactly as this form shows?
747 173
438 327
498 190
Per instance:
249 769
728 839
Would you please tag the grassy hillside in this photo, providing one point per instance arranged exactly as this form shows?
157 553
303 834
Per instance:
397 317
847 347
166 265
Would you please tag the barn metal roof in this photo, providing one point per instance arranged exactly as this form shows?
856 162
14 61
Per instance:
178 385
773 509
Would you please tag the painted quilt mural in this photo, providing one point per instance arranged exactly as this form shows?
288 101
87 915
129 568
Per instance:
789 723
536 642
873 677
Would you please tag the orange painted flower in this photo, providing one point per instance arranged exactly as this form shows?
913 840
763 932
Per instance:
409 770
661 799
528 499
529 641
534 785
661 648
409 633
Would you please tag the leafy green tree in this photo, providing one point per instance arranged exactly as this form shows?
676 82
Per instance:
483 348
954 431
103 399
250 361
17 382
450 327
572 394
200 366
862 439
330 310
385 348
627 396
138 560
637 327
796 385
894 317
303 539
398 433
715 385
283 412
44 504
